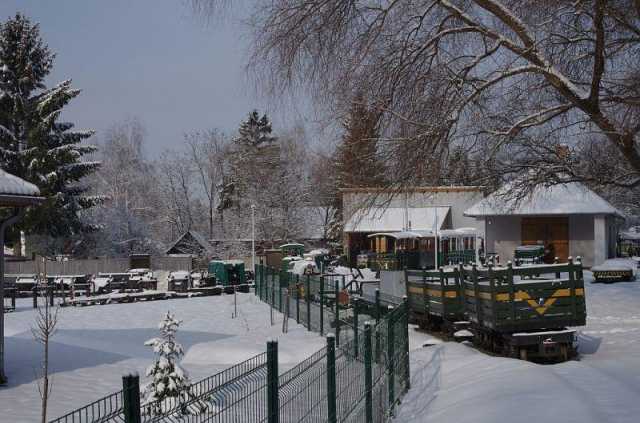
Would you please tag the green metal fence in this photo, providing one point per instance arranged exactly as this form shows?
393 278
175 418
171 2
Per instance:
359 376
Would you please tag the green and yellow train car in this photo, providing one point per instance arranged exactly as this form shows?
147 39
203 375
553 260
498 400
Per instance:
515 311
434 297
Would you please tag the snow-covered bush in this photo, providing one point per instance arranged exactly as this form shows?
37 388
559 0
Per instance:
169 383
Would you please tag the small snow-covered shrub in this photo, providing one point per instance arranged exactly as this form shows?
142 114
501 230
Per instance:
169 385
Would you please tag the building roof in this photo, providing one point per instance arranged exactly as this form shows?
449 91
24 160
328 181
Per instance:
200 239
451 188
15 191
563 199
392 219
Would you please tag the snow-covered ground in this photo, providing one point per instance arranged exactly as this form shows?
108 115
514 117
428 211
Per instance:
96 345
452 382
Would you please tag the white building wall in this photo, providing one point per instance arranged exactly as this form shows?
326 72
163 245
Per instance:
581 242
503 235
600 250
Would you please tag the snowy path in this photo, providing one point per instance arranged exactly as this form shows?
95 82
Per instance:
96 345
455 383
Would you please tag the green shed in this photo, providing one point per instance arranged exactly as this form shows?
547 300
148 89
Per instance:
228 272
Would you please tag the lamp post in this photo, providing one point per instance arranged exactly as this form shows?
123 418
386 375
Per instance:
253 239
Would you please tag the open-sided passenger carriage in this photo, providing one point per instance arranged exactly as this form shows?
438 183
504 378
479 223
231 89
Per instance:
421 249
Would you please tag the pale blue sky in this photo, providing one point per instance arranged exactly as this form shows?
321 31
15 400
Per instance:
152 59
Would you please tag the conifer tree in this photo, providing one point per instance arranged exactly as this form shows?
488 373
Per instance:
168 379
34 144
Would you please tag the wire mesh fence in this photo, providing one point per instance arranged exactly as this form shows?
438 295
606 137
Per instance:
359 376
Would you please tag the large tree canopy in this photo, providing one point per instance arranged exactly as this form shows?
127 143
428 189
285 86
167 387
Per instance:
525 81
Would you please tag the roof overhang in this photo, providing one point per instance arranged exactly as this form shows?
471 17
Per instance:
9 200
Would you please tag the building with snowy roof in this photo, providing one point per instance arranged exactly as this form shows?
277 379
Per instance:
368 211
567 219
17 194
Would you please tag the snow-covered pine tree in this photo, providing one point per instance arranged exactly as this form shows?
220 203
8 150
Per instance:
169 383
34 145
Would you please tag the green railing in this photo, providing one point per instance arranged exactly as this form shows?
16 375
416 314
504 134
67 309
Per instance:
359 376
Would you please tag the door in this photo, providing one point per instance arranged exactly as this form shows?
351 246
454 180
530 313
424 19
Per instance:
552 232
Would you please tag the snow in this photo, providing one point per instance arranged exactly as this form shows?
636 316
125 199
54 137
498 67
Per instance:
390 219
299 267
12 185
562 199
94 346
617 264
452 382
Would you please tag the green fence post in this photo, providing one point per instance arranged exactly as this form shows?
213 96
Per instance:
273 407
307 294
377 305
337 316
131 398
368 373
355 328
390 361
298 299
405 352
321 305
331 379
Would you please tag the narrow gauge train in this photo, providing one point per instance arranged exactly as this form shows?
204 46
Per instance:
521 312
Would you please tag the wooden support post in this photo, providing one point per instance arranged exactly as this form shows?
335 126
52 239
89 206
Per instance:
572 287
512 292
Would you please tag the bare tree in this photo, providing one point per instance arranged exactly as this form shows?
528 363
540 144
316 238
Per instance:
46 321
208 152
499 77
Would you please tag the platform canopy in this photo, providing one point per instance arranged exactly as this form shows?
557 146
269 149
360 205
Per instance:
405 234
394 219
16 192
563 199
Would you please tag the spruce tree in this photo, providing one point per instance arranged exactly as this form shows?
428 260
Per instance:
34 144
168 379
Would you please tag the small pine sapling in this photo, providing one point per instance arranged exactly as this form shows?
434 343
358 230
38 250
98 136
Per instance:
169 389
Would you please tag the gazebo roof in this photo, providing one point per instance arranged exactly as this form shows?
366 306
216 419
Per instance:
16 192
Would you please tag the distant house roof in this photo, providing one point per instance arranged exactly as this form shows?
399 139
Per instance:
15 191
562 199
392 219
191 242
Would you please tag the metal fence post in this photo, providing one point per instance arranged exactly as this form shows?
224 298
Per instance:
337 316
368 373
355 328
298 299
131 398
273 407
377 305
307 294
35 296
331 379
390 361
321 305
405 352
